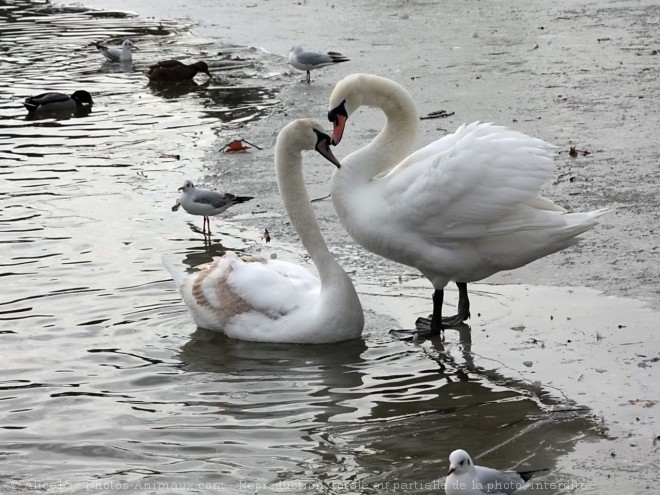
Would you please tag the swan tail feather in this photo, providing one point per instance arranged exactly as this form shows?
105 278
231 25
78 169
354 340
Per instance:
178 275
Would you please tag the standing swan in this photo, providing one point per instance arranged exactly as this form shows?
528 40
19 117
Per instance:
263 300
462 208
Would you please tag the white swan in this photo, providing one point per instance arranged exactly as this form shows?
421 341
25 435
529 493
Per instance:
275 301
462 208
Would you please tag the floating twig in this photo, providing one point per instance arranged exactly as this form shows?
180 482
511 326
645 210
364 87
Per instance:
170 155
438 114
319 199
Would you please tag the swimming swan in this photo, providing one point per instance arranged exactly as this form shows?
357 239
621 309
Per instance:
462 208
275 301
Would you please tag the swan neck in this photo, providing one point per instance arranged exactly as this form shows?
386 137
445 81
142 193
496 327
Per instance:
397 139
288 165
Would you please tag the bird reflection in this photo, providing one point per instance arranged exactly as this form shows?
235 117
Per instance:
60 115
196 255
312 382
169 89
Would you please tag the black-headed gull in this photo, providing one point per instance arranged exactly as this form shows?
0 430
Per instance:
114 54
305 60
206 203
464 478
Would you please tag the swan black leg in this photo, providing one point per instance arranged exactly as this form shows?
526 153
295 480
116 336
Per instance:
435 323
463 307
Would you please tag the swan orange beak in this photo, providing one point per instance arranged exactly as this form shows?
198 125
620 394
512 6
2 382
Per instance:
338 129
338 116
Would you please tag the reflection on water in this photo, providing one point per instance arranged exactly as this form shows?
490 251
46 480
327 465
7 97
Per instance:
105 381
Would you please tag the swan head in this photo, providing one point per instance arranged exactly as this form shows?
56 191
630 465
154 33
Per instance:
369 90
187 186
306 134
460 462
344 100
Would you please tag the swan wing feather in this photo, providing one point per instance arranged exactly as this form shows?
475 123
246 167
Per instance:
273 286
472 179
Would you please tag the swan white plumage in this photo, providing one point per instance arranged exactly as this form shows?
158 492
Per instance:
252 298
460 209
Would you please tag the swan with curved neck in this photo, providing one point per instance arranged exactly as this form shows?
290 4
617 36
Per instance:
252 298
460 209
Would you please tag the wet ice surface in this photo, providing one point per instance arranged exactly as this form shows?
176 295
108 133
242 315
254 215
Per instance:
106 383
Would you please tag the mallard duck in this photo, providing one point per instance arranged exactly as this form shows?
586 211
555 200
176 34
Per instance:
174 71
114 54
58 102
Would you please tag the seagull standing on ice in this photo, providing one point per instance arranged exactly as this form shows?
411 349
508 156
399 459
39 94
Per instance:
467 479
305 60
206 203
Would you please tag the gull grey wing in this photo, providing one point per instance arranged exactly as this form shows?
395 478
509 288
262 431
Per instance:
313 58
497 482
215 199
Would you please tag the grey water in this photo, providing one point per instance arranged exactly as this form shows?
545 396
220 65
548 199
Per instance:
106 384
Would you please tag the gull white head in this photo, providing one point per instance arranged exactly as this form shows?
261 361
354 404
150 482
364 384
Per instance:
126 48
460 462
187 186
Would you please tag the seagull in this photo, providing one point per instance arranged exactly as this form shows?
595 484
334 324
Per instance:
114 54
205 202
303 59
464 478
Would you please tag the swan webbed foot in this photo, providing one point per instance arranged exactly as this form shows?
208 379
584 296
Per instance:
426 329
423 330
457 319
416 334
